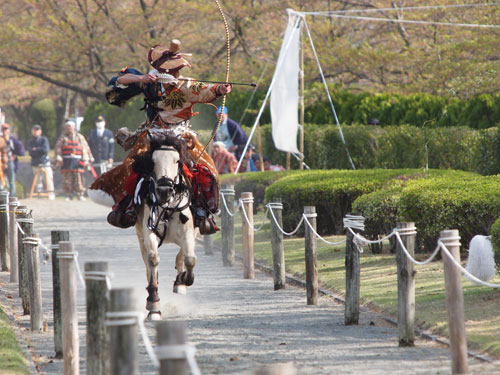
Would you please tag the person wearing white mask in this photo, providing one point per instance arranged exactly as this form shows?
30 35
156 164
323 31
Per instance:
102 145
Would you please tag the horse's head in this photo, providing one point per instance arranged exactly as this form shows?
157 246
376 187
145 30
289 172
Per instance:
168 154
167 167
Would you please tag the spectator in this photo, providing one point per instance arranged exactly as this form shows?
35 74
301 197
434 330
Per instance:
230 132
73 156
4 161
225 162
102 145
38 148
15 148
248 165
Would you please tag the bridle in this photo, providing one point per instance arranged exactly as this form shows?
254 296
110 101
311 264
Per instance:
162 212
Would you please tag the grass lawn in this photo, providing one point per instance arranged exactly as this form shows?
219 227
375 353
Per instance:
379 285
12 361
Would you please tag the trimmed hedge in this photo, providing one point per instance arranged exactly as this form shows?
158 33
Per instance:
395 147
381 208
331 191
256 182
495 240
468 203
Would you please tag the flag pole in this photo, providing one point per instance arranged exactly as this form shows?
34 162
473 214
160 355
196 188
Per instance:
302 109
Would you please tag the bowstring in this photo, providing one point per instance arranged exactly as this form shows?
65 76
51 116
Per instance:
228 62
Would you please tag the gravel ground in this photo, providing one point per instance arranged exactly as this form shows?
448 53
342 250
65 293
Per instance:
236 324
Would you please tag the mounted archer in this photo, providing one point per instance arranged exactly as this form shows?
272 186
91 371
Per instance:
169 100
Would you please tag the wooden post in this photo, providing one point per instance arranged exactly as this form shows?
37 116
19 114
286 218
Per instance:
71 353
302 107
227 230
311 256
26 229
34 285
172 333
406 285
208 244
56 236
13 248
279 276
247 235
287 161
352 280
123 337
4 230
97 296
454 302
277 369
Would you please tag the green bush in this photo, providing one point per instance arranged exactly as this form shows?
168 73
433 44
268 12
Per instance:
255 182
381 208
331 191
468 203
495 240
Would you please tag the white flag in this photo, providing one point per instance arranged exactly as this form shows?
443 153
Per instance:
285 92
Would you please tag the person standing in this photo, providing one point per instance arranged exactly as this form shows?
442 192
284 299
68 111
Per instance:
230 132
73 155
38 148
4 162
225 162
102 145
15 148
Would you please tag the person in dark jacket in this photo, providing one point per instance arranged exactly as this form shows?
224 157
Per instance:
230 132
38 148
102 145
15 148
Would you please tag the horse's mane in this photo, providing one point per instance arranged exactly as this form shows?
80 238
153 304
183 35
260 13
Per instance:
143 164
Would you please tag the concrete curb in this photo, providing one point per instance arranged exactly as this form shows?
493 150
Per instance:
17 331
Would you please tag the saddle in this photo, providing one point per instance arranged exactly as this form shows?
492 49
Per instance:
120 182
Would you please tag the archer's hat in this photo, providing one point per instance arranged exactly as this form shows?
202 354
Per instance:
167 60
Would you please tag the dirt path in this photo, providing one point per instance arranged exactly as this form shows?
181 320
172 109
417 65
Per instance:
235 324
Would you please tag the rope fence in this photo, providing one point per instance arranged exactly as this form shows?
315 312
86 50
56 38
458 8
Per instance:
351 223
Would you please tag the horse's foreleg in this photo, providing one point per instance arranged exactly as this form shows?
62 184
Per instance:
149 250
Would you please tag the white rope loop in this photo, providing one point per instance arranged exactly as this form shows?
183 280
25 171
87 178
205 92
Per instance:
447 252
99 276
32 241
4 207
20 228
186 351
25 220
270 206
73 255
312 215
227 192
227 208
128 318
243 210
14 204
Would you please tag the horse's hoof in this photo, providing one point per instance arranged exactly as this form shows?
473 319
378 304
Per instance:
180 289
189 279
153 306
154 315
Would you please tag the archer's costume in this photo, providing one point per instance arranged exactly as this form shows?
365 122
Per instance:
74 152
167 106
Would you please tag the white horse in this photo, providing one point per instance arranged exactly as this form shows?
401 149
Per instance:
164 215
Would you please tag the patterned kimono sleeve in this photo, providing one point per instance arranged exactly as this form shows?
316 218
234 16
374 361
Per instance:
199 92
118 94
